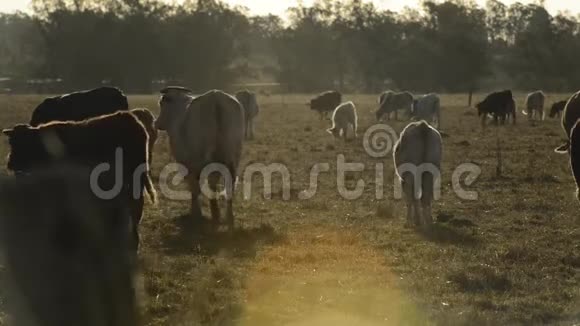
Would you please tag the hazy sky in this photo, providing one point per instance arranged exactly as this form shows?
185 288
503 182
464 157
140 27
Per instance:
279 6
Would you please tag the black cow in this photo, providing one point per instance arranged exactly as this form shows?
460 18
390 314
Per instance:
65 252
569 118
557 109
80 106
115 145
499 105
326 102
571 126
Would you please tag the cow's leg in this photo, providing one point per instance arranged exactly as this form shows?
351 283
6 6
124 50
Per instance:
427 197
413 212
396 115
213 180
251 128
483 120
136 214
229 190
194 188
407 186
345 133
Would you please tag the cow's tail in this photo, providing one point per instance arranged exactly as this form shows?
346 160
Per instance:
149 188
424 129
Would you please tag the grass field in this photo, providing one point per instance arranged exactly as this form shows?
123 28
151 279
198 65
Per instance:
510 257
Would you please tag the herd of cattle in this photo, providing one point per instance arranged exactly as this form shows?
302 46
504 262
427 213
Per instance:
78 132
420 142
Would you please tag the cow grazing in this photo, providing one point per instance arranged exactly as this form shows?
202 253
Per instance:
570 116
147 118
80 106
384 96
393 103
208 129
118 140
326 102
499 105
343 117
535 105
428 108
417 157
557 109
251 110
65 252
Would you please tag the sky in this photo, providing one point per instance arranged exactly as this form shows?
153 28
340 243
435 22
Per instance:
260 7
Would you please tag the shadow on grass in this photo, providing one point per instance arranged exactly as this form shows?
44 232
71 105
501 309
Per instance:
205 240
444 234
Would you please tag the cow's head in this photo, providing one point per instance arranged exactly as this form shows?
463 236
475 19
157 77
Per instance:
382 110
173 106
27 149
334 131
315 104
557 107
563 149
480 109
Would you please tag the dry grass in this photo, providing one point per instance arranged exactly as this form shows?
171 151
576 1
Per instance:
511 257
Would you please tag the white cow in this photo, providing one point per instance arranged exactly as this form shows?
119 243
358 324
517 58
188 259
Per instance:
428 108
204 130
417 156
535 105
251 110
343 117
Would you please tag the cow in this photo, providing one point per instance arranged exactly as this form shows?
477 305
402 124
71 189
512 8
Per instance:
574 150
251 110
326 102
417 157
428 108
535 105
343 117
80 106
147 118
557 109
499 105
570 116
204 131
117 142
384 95
393 103
65 252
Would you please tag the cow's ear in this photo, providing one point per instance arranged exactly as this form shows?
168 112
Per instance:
8 132
562 149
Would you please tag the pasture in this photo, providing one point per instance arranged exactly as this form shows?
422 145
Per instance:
512 256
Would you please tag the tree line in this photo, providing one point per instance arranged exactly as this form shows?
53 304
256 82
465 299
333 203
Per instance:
350 45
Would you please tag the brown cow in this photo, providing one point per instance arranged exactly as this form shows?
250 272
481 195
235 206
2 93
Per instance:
118 143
